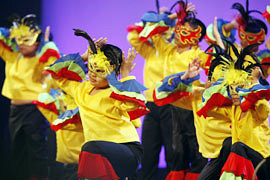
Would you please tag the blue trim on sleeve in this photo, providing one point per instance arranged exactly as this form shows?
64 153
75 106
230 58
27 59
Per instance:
72 57
4 32
175 82
129 85
68 113
220 23
154 17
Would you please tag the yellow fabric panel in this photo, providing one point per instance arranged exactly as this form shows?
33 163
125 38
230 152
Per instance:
69 145
137 122
23 77
175 62
103 118
153 66
49 115
210 131
7 55
251 129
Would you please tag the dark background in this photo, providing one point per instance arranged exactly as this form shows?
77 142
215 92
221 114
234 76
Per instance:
22 8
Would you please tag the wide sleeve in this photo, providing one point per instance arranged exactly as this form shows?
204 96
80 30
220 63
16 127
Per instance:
262 109
143 48
229 36
215 96
48 53
162 46
68 72
59 109
128 93
266 14
172 88
7 47
264 56
249 97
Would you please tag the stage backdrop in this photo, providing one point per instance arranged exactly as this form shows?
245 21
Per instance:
110 18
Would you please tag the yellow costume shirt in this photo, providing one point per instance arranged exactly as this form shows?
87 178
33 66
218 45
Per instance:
23 75
154 63
103 118
175 62
252 128
210 131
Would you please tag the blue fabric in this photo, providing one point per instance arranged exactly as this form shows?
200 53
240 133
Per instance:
72 57
54 92
5 31
220 23
267 51
68 113
254 88
175 82
129 85
218 82
154 17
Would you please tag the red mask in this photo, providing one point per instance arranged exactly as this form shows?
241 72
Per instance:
251 38
186 35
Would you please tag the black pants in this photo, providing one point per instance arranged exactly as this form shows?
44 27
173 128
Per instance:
56 169
255 157
185 145
156 132
123 158
29 152
212 170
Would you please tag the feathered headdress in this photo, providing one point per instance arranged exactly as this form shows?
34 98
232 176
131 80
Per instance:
230 70
247 22
96 57
25 31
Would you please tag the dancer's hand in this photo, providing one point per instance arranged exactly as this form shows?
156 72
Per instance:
191 7
217 35
47 34
193 69
127 63
99 43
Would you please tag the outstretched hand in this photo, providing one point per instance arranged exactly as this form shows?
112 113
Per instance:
193 69
47 34
217 35
100 42
191 7
127 63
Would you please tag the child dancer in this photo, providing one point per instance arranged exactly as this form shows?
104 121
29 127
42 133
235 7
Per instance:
107 107
26 55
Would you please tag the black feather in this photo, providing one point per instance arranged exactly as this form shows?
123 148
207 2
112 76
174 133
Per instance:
92 45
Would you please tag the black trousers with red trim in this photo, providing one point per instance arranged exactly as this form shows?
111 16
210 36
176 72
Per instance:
156 132
212 169
124 158
28 134
245 151
185 145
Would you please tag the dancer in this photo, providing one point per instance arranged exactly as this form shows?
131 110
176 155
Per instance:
189 31
243 100
157 125
26 54
107 107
